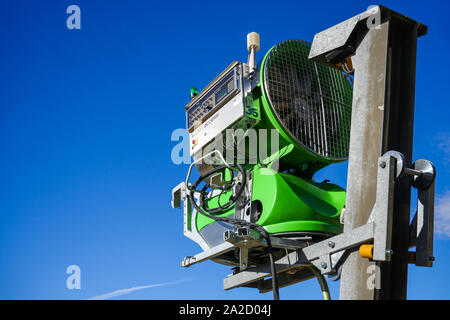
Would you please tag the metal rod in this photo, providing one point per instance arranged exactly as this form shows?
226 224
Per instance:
413 172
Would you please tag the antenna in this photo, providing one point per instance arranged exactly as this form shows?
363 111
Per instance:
253 46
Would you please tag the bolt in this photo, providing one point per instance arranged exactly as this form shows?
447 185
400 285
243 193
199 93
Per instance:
431 258
383 164
331 244
389 252
292 271
324 265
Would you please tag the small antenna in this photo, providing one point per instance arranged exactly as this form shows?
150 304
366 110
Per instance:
253 46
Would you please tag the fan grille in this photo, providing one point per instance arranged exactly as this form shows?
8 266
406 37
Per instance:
313 102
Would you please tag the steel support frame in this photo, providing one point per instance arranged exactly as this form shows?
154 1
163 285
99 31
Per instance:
398 135
329 255
326 255
383 47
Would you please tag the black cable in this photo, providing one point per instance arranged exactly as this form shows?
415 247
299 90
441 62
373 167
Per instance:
232 198
238 222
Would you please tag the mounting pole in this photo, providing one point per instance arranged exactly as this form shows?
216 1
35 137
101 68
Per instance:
382 46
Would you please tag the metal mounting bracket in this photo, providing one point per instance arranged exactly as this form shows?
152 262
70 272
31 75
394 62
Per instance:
328 255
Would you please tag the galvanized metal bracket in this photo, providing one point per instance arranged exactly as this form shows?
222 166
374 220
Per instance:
422 225
382 46
333 45
328 255
383 209
189 215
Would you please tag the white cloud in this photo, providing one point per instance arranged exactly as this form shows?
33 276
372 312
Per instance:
442 214
443 145
122 292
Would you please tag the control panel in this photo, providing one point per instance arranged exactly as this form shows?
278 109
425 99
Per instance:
213 99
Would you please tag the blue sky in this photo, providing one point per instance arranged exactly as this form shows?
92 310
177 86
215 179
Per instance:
85 123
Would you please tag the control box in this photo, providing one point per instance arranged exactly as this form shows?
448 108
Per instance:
224 104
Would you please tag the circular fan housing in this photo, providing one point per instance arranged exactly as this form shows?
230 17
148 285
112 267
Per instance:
309 103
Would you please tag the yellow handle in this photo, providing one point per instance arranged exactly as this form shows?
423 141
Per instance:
366 251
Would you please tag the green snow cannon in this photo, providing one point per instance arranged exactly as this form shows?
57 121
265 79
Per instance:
288 117
308 103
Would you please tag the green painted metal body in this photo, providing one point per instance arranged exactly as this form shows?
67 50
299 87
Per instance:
290 203
300 154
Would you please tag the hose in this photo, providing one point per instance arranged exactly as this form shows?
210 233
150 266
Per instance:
233 221
322 282
227 187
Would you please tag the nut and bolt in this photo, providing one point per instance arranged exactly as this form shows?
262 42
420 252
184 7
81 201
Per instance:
331 244
383 164
324 265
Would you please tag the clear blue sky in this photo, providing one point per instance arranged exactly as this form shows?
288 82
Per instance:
85 123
